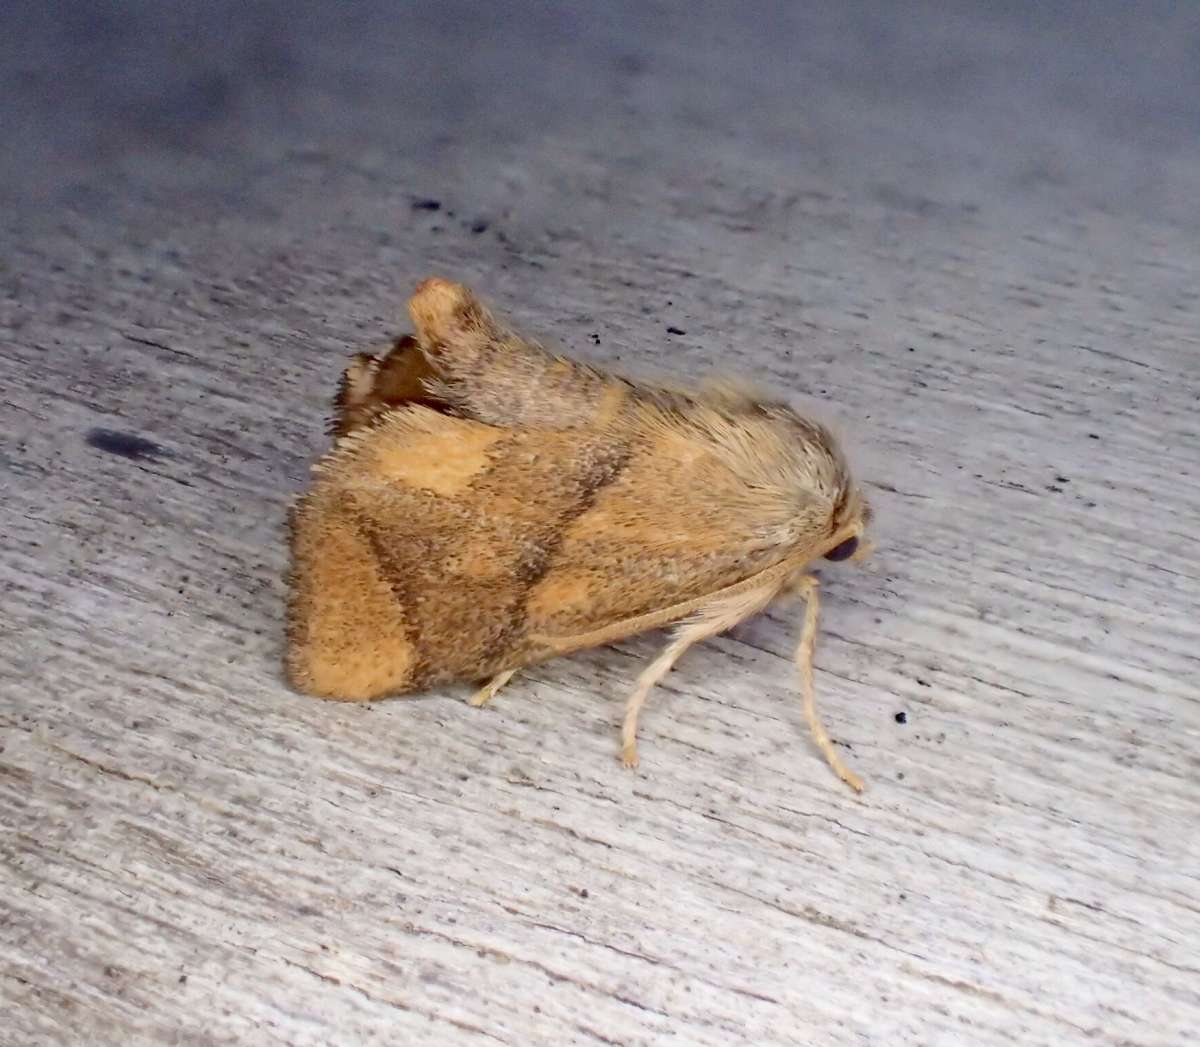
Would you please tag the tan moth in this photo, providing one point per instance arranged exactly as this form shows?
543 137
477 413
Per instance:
489 505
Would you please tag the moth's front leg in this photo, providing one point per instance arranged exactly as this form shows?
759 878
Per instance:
808 587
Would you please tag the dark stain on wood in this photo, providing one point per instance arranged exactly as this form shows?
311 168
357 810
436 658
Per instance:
124 445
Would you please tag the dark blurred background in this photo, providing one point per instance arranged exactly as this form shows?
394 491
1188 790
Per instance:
1064 104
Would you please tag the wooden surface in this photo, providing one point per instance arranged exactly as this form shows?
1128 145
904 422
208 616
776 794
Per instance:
969 238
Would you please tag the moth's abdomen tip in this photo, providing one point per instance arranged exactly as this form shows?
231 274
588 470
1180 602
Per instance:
437 297
440 307
435 286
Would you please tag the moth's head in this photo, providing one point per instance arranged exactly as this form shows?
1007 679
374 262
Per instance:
851 517
793 467
822 466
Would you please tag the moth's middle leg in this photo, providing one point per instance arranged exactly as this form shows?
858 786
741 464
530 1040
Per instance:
488 691
708 621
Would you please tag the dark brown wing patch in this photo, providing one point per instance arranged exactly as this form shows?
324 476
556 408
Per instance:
457 522
372 385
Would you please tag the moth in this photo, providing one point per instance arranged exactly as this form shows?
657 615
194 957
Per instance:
488 505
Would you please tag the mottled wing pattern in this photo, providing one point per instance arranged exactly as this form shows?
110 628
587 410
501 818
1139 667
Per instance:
490 504
433 548
674 525
417 545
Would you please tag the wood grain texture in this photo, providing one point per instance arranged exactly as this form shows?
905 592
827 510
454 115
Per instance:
962 237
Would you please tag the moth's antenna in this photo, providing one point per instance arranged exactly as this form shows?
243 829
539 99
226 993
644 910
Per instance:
804 662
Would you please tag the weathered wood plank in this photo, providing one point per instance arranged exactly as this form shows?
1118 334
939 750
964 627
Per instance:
193 854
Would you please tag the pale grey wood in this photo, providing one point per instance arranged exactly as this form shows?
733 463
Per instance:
969 237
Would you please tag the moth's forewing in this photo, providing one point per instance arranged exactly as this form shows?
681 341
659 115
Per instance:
415 552
434 548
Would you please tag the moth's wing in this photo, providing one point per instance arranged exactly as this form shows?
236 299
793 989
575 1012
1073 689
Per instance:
374 384
491 374
698 512
462 361
415 550
433 547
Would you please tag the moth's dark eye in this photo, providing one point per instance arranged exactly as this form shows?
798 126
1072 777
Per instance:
843 551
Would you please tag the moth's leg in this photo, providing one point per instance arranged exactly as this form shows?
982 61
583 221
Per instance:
708 621
685 635
489 689
807 587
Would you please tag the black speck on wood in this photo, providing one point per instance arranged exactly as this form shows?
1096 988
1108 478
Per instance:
427 205
676 330
901 717
126 445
